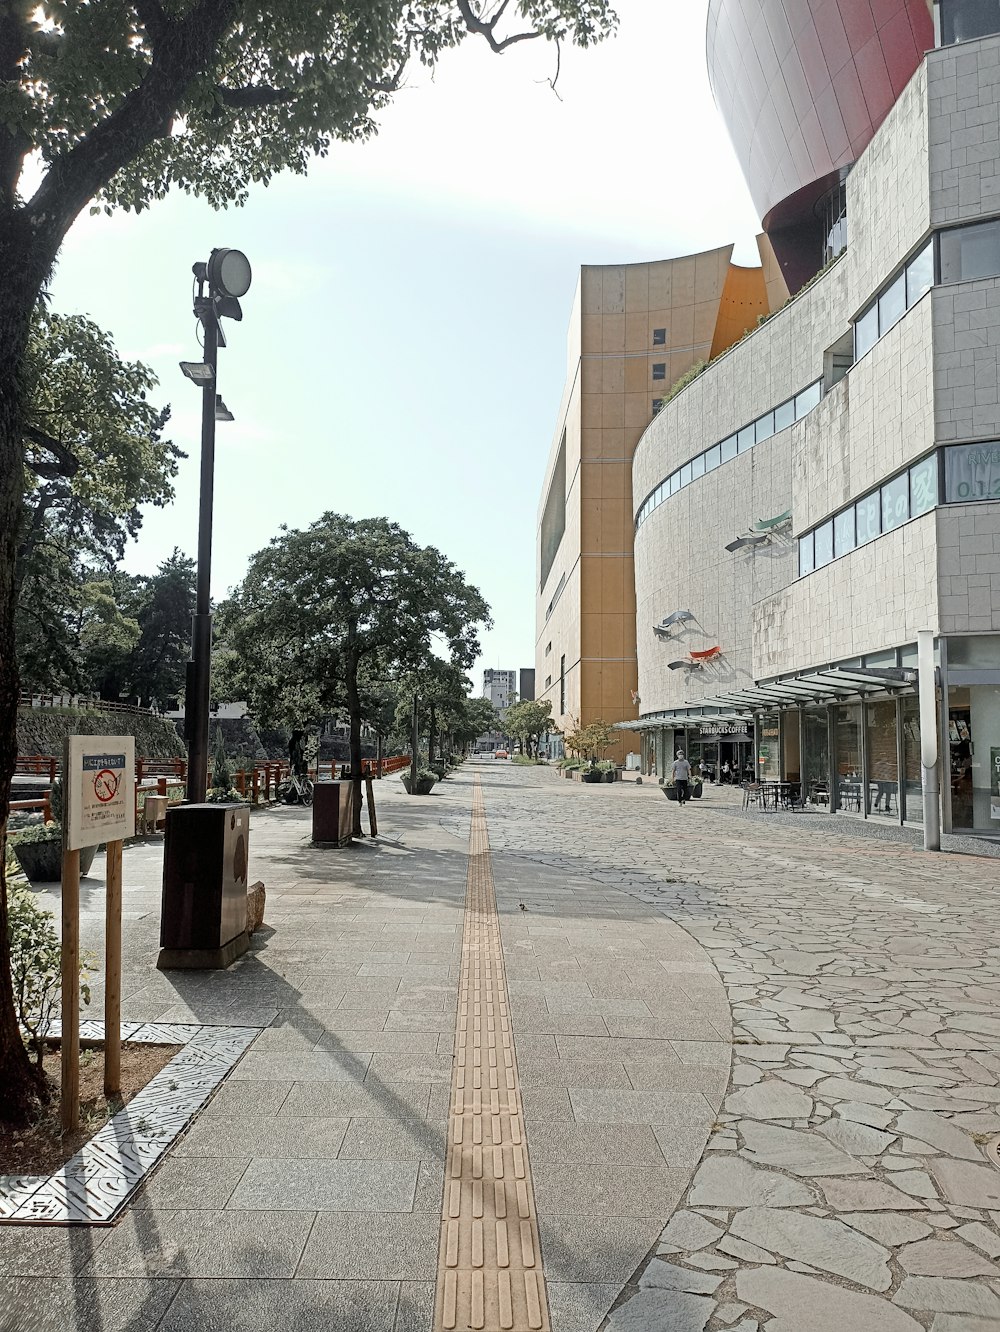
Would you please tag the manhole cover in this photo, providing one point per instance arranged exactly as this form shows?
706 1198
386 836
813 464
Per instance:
993 1152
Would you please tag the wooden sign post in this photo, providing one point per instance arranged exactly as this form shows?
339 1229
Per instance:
370 796
98 806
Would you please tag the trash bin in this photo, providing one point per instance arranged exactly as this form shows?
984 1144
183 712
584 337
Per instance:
332 813
203 917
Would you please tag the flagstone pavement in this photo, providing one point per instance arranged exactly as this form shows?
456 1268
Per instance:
757 1056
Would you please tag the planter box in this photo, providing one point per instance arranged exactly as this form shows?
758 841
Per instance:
671 792
591 776
42 861
424 785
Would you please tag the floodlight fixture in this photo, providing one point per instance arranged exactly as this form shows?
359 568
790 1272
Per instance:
222 412
199 372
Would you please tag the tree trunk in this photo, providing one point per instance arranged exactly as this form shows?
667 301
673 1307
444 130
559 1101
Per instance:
354 714
20 1084
431 737
414 744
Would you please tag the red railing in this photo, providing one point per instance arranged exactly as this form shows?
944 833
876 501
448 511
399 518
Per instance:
37 765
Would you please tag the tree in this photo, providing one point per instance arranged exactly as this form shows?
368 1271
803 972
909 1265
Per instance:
124 101
156 667
481 718
93 455
527 720
324 610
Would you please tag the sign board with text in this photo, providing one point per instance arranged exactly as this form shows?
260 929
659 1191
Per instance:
994 783
99 797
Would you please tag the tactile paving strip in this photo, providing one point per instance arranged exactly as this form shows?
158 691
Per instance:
490 1267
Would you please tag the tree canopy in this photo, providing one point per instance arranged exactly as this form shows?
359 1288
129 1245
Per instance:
527 720
326 610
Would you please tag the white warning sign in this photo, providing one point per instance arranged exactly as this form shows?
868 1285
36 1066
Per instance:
100 789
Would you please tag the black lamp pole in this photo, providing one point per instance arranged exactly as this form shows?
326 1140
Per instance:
199 668
221 281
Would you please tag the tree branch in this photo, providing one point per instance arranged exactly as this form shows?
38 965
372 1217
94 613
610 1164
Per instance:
254 96
483 28
66 464
14 34
184 48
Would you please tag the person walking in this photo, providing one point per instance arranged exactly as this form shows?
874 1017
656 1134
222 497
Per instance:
681 774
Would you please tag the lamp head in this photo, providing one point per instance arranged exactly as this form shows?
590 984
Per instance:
228 273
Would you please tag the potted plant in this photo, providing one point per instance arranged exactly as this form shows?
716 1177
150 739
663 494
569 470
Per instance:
39 846
695 788
425 781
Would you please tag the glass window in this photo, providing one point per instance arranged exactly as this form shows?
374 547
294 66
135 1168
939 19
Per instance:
923 485
912 793
806 563
659 337
883 764
867 517
965 20
745 439
815 756
686 474
971 472
698 466
920 274
659 370
824 544
808 399
847 756
675 482
843 532
713 458
895 502
657 404
728 447
764 426
892 304
866 332
979 651
970 252
784 415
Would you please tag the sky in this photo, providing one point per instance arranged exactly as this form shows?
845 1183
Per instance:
403 346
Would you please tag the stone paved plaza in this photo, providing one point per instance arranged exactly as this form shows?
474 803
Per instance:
757 1057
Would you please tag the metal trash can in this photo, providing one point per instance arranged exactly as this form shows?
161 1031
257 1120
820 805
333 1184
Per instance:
203 917
332 813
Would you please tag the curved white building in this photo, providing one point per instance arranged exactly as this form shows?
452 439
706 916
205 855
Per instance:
830 486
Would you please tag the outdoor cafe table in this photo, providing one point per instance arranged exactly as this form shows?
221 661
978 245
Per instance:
780 794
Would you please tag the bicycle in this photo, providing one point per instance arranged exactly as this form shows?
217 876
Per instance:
297 790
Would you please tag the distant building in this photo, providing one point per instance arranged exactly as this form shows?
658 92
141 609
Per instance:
500 687
527 690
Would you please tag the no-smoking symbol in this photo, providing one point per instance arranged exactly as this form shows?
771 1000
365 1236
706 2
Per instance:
105 785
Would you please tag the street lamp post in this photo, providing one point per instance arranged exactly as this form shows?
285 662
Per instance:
221 282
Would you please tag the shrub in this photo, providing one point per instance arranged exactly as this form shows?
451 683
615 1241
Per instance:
35 962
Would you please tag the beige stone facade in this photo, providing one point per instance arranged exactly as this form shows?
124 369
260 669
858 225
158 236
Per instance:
635 330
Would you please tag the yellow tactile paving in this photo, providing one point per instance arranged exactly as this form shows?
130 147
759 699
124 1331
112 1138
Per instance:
490 1268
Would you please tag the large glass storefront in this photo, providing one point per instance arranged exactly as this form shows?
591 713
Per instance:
862 757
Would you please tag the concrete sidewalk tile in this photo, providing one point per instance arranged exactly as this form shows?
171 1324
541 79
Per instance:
656 1106
369 1139
607 1190
302 1066
579 1306
415 1310
181 1184
347 1247
293 1185
592 1248
205 1244
598 1144
305 1137
86 1304
423 1068
316 1100
298 1306
47 1251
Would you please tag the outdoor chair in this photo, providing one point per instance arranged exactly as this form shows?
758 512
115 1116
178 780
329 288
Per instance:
753 794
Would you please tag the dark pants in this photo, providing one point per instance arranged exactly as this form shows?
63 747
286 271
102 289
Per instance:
683 791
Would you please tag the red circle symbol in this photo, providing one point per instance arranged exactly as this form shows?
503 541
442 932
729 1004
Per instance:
106 785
